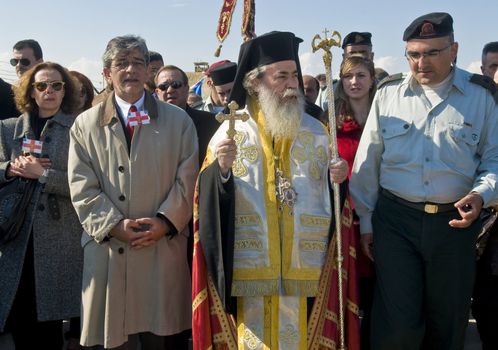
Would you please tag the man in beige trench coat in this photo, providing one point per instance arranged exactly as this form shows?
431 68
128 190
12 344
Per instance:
132 167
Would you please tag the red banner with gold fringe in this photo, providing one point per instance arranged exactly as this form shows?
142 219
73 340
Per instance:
248 29
225 19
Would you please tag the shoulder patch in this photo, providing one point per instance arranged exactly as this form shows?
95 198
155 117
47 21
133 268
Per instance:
487 83
390 78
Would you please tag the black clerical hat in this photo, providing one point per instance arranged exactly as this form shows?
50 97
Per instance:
432 25
214 65
357 38
263 50
223 74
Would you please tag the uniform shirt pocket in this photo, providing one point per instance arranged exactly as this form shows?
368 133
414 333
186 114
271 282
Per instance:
396 136
459 146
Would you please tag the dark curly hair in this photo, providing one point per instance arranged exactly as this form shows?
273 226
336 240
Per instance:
87 87
22 92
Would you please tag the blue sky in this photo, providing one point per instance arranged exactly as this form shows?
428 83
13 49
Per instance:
75 33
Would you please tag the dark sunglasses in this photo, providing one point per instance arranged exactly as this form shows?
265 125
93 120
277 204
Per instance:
175 84
24 61
43 85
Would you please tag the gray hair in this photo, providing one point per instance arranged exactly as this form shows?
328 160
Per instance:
124 43
251 77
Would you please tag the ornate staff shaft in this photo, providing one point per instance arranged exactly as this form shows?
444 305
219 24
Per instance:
326 44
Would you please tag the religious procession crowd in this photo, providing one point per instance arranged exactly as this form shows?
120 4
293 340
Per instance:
263 217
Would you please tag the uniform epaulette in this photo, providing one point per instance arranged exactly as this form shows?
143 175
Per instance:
389 78
487 83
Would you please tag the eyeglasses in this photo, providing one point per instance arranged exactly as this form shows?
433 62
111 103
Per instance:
123 64
43 85
416 56
175 84
24 61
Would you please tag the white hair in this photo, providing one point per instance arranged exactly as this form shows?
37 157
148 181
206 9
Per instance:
282 113
251 77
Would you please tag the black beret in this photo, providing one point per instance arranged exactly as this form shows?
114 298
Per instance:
432 25
263 50
223 74
357 38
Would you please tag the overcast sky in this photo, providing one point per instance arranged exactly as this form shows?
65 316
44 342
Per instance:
75 33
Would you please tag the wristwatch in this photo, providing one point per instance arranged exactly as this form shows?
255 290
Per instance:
43 178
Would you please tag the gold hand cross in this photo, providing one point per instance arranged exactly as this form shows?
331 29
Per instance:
231 117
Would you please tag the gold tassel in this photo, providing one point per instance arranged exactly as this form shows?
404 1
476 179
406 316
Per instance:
218 51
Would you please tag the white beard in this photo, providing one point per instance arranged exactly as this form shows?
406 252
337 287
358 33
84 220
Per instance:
282 113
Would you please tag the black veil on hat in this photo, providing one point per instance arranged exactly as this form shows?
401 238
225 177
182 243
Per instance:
263 50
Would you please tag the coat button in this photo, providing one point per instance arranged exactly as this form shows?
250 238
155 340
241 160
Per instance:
121 169
406 126
121 250
47 139
41 207
122 198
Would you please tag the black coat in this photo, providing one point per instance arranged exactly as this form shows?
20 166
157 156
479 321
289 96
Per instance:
7 106
205 125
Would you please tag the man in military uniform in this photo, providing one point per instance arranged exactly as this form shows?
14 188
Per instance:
435 130
358 43
484 300
490 60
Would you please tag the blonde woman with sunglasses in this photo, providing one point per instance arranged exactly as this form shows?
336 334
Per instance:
40 279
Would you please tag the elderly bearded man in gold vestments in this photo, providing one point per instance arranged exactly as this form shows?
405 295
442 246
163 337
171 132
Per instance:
265 209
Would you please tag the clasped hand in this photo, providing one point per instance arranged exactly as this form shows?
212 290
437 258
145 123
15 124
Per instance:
28 167
140 233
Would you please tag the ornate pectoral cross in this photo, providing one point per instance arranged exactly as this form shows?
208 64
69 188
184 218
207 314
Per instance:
285 193
232 117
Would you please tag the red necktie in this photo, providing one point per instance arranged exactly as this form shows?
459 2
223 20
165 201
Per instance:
131 113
